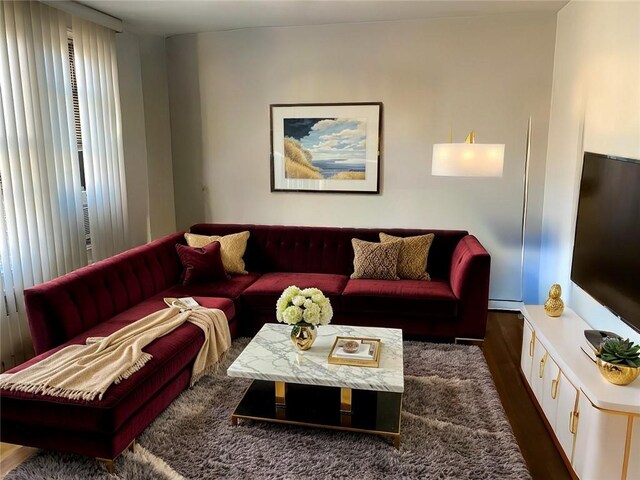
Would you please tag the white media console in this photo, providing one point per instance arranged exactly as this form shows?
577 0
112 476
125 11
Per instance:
596 424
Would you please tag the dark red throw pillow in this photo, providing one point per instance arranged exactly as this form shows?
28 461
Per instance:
201 264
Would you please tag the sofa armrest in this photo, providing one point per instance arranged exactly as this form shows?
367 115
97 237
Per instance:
45 332
469 276
62 308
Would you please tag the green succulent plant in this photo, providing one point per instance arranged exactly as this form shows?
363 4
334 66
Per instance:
620 352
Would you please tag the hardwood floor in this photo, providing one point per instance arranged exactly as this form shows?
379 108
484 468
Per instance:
502 347
12 456
502 352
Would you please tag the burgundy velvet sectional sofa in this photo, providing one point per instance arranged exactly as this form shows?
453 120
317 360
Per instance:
101 298
453 304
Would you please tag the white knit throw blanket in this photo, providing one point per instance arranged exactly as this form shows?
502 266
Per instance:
86 371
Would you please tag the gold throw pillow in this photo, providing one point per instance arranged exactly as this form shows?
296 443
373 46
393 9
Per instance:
375 260
414 251
232 248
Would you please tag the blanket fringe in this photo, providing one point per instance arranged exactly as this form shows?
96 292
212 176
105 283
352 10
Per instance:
210 370
144 358
72 394
51 391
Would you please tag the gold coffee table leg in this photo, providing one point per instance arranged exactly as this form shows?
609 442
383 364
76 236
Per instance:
345 400
345 407
281 400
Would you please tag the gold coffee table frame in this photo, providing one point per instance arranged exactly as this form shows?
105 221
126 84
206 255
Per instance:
335 408
305 389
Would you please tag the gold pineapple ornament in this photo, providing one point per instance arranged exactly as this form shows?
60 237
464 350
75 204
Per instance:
554 306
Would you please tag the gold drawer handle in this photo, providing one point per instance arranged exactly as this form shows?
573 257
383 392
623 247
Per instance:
543 362
573 422
531 343
554 386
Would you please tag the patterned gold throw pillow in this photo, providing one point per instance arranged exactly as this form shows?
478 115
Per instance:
375 260
232 248
414 251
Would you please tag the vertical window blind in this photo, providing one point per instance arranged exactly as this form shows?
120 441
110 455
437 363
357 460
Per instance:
42 235
43 226
96 73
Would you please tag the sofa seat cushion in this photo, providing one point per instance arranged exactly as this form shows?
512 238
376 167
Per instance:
231 288
411 297
263 294
172 354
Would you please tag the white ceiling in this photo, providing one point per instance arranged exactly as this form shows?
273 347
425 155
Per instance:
190 16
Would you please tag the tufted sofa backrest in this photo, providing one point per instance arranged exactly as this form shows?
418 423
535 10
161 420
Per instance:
278 248
60 309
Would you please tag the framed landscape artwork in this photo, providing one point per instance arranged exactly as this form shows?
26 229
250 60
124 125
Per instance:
326 147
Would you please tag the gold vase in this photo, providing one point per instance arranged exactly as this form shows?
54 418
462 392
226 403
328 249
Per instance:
618 374
554 306
303 336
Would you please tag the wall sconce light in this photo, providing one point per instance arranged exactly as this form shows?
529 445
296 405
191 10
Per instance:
467 159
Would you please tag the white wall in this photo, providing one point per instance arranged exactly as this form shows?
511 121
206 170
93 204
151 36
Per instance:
133 137
146 134
186 129
595 107
483 73
155 87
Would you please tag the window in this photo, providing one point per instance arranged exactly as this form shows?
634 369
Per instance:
76 115
45 232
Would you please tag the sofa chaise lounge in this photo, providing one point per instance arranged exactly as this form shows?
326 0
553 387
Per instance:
101 298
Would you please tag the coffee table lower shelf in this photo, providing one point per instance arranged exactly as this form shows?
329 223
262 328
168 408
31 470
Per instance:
371 412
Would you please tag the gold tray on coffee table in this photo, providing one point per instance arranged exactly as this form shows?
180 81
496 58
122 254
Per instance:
375 347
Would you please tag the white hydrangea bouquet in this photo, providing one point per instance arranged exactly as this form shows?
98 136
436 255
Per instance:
306 307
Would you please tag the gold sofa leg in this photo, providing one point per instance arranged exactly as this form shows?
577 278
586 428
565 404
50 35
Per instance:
107 463
110 464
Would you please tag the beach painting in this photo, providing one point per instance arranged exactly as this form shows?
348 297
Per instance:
325 148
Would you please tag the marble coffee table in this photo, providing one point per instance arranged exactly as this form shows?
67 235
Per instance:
302 388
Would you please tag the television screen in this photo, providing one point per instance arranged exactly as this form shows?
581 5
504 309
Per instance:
606 250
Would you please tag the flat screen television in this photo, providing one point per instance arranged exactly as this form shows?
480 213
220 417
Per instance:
606 249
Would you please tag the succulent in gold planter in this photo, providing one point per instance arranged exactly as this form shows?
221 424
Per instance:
619 360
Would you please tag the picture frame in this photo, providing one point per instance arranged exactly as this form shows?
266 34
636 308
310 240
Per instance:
372 360
326 147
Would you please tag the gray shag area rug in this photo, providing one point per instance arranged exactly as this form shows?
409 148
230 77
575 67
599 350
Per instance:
453 427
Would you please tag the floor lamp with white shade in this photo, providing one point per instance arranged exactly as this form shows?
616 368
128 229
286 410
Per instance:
470 159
